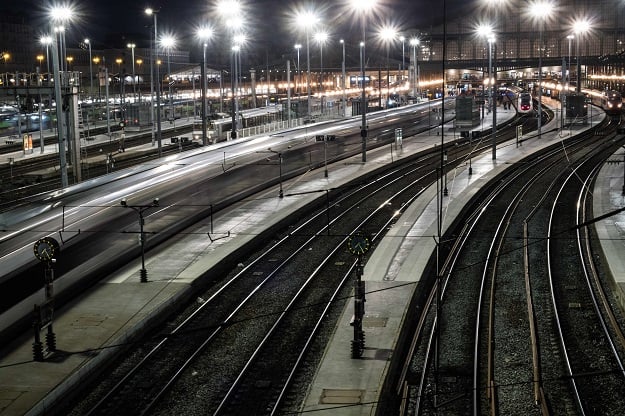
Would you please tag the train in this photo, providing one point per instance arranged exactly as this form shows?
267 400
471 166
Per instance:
610 101
221 123
525 103
11 124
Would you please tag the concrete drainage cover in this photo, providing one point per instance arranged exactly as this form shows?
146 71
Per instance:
374 322
89 321
341 396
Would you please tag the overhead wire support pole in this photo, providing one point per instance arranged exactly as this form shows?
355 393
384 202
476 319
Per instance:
140 209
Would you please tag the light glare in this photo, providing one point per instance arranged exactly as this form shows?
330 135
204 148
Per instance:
61 13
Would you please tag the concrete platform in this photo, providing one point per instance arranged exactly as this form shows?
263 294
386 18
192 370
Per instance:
609 197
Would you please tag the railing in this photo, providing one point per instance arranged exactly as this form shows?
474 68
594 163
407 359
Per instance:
266 128
25 79
328 114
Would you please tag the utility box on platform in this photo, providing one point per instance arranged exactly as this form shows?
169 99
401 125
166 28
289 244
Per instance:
467 112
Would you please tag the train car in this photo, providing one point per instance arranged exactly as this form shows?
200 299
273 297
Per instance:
8 117
13 123
525 103
610 101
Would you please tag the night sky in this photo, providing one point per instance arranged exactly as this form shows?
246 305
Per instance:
113 23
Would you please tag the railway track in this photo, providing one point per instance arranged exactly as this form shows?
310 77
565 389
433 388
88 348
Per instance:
509 357
267 313
276 304
592 352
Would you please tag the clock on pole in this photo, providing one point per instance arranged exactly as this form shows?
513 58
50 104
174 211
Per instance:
358 244
46 249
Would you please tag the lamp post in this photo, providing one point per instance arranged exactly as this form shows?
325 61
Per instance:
493 94
88 43
47 40
580 27
362 7
204 34
140 209
540 78
414 42
56 64
139 62
403 55
486 31
308 90
568 75
344 79
387 34
61 14
5 58
308 73
132 47
363 103
119 62
60 31
152 12
168 42
235 89
540 10
39 107
230 12
298 46
321 37
307 19
96 60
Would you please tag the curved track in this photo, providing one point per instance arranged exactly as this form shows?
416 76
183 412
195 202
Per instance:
517 362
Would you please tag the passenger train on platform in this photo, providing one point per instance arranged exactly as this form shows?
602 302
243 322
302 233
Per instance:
610 101
13 123
524 105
